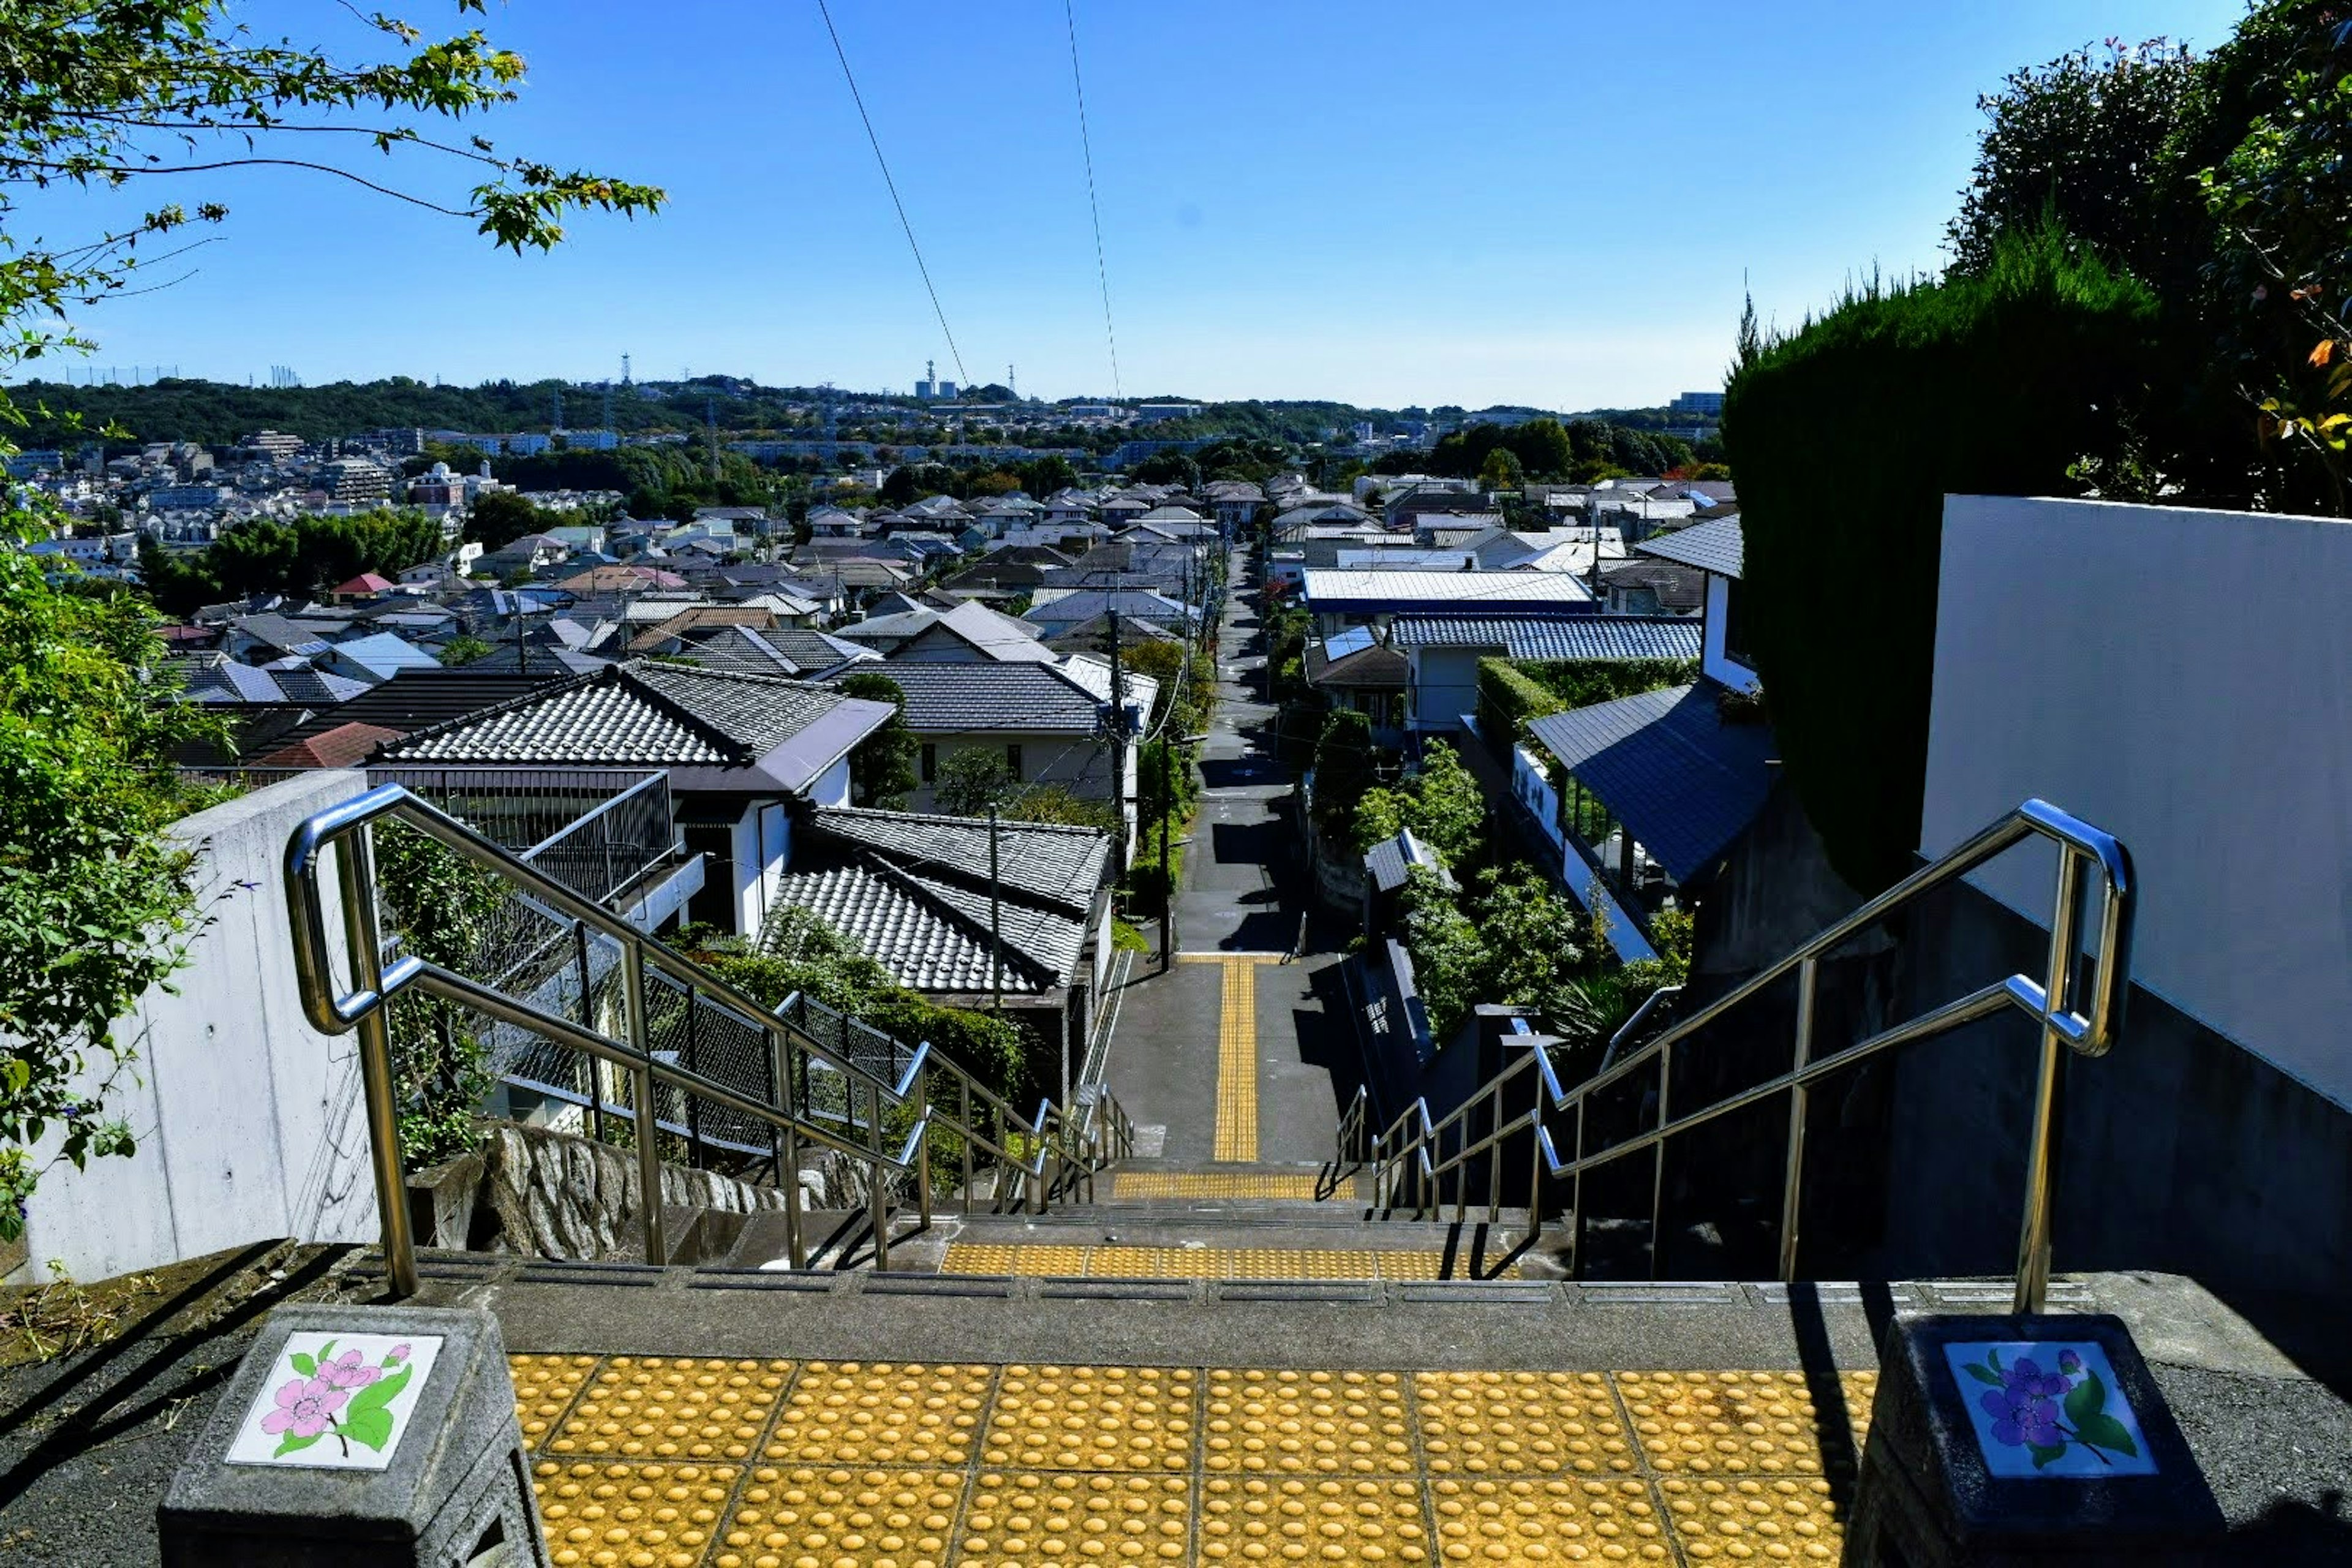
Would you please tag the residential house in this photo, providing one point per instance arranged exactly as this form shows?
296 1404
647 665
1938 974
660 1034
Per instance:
373 659
738 748
1714 548
1049 724
1442 651
968 634
1342 597
1056 610
797 652
1357 671
968 912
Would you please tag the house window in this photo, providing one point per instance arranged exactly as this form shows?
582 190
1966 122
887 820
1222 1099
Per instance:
1013 760
1735 623
930 762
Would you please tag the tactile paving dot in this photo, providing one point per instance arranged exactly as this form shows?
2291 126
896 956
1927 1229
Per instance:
1789 1519
986 1257
1520 1423
544 1387
1526 1521
1734 1422
1030 1518
629 1516
1327 1518
828 1518
1308 1423
878 1412
1092 1418
654 1407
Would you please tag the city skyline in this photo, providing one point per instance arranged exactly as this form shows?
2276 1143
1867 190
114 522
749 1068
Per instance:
1373 206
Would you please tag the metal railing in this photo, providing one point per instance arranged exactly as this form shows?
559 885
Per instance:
1417 1160
1050 1154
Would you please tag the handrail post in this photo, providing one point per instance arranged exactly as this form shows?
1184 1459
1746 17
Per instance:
963 1120
923 1146
1793 1182
2049 1091
1576 1194
876 1194
1495 1158
355 872
649 1183
1658 1165
588 1021
788 1144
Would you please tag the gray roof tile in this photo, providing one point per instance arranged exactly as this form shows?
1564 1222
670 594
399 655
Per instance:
1554 637
1710 546
1684 783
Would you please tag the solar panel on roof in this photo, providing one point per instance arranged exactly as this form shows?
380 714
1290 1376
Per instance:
1355 640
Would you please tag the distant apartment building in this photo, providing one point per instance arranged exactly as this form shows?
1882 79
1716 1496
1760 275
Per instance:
401 443
1147 413
24 465
275 445
1704 405
355 480
589 440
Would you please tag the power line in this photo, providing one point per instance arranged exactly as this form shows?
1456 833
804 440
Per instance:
1086 141
859 99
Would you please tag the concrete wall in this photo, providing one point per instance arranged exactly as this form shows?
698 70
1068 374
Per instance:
250 1122
1445 685
2180 679
2177 678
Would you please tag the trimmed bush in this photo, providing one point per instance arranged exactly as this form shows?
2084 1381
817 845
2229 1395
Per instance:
1846 438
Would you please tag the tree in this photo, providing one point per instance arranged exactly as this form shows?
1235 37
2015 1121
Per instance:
882 768
1451 809
970 781
1343 765
1173 468
464 649
898 489
498 518
97 901
1045 475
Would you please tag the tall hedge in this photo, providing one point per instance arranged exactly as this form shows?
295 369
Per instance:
1511 692
1846 436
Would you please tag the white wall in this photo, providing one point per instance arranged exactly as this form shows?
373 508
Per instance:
2184 680
832 787
762 850
1445 685
1712 662
249 1123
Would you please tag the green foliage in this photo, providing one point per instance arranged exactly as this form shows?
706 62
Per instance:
882 768
1581 450
498 518
2000 383
1449 960
1442 803
445 908
1502 470
1511 692
97 905
1343 766
305 557
971 780
464 649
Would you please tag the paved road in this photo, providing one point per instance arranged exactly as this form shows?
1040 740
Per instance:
1243 891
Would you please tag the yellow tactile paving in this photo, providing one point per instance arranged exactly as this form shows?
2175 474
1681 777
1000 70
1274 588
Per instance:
1520 1424
881 1414
1324 1519
1128 1185
1197 1262
1092 1418
649 1462
1529 1521
1786 1518
1309 1423
1237 1063
1726 1422
544 1386
602 1515
1029 1519
838 1517
656 1407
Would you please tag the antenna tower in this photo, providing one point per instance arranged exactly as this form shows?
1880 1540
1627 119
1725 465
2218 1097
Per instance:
625 370
711 416
559 408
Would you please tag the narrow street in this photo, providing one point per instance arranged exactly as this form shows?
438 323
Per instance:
1242 1054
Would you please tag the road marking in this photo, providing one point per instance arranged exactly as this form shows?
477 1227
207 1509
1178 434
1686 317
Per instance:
1237 1064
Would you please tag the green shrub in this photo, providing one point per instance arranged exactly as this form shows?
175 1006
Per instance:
1995 384
1509 696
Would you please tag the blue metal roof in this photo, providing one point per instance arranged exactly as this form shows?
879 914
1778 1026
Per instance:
1683 782
1554 637
1715 547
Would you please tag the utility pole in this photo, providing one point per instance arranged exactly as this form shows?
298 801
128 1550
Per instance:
996 932
1117 748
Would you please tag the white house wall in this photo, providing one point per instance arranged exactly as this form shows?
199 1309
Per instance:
1714 663
2179 679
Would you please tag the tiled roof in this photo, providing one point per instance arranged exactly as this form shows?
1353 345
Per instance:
1676 584
698 618
280 633
345 745
1683 782
1554 637
913 893
414 700
1710 546
957 698
303 684
1388 861
638 713
1375 667
792 651
1336 591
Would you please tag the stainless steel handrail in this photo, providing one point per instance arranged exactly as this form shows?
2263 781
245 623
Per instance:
348 828
1414 1145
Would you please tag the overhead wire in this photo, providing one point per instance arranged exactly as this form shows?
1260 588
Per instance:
1094 207
859 99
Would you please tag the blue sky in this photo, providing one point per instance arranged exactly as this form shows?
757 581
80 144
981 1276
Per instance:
1386 203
